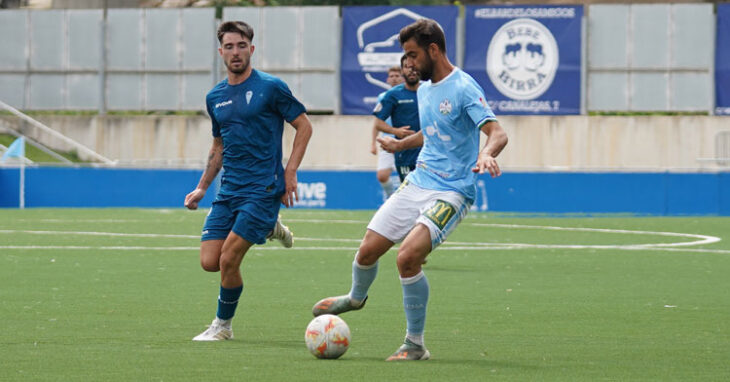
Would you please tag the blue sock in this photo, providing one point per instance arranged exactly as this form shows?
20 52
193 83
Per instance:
415 299
362 277
227 302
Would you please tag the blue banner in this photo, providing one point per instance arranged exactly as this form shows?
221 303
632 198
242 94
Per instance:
542 192
722 61
527 58
370 46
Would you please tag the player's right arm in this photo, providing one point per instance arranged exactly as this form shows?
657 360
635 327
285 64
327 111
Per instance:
373 147
215 162
384 110
400 132
393 145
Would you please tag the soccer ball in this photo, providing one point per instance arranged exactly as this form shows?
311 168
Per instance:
327 336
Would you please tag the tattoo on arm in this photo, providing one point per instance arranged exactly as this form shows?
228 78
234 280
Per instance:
215 161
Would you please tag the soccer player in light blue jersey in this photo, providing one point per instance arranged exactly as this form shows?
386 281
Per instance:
247 110
437 195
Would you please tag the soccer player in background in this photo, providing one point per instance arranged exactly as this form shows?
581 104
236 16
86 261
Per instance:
437 195
400 104
386 160
247 111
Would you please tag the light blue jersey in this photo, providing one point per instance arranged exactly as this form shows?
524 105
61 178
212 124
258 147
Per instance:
451 113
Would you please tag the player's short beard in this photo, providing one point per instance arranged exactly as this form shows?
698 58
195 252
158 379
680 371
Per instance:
240 70
412 80
426 71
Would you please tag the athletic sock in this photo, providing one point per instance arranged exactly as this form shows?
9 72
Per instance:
228 301
415 299
362 277
416 339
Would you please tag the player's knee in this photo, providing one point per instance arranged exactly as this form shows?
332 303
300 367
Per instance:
368 254
383 176
210 265
409 263
227 263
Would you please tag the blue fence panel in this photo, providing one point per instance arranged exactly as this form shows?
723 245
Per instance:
94 187
577 193
351 190
636 193
693 194
724 192
10 187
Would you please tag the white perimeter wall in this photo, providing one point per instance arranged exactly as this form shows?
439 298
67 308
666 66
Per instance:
540 143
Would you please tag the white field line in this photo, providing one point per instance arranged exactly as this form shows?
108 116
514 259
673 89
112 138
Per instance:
701 239
349 250
704 239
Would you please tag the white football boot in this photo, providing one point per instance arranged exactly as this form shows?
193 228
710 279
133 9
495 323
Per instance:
218 330
282 234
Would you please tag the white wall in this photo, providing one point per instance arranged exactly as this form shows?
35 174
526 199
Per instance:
540 143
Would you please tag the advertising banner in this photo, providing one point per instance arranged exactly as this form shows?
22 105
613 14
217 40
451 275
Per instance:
370 46
722 61
527 58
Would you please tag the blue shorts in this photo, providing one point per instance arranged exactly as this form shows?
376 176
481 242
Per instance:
251 218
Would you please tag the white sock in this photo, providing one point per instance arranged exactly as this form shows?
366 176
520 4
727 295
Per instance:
223 323
416 339
388 188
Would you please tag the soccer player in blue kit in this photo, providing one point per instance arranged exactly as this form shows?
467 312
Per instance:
247 111
386 160
437 195
400 104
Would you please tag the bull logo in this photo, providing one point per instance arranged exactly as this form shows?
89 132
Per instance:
522 59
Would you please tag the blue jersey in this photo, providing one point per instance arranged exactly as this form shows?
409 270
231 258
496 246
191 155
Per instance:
250 118
388 121
452 111
401 105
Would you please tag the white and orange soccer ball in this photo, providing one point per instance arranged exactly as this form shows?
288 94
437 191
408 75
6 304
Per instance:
327 336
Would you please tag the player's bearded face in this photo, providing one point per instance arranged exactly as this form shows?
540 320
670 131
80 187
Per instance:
418 59
411 75
236 51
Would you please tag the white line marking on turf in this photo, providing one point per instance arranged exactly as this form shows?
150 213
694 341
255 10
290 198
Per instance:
347 249
702 239
87 233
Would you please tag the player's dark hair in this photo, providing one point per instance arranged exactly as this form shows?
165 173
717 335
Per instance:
425 32
403 61
239 27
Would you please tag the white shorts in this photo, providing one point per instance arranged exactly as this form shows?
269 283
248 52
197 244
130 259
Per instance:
386 160
440 211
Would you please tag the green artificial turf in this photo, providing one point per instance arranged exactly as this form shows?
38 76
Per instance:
510 300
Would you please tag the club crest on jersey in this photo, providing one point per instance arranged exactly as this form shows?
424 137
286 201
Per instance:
445 107
249 94
522 59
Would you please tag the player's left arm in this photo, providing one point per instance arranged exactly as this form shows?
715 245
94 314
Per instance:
496 140
303 128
